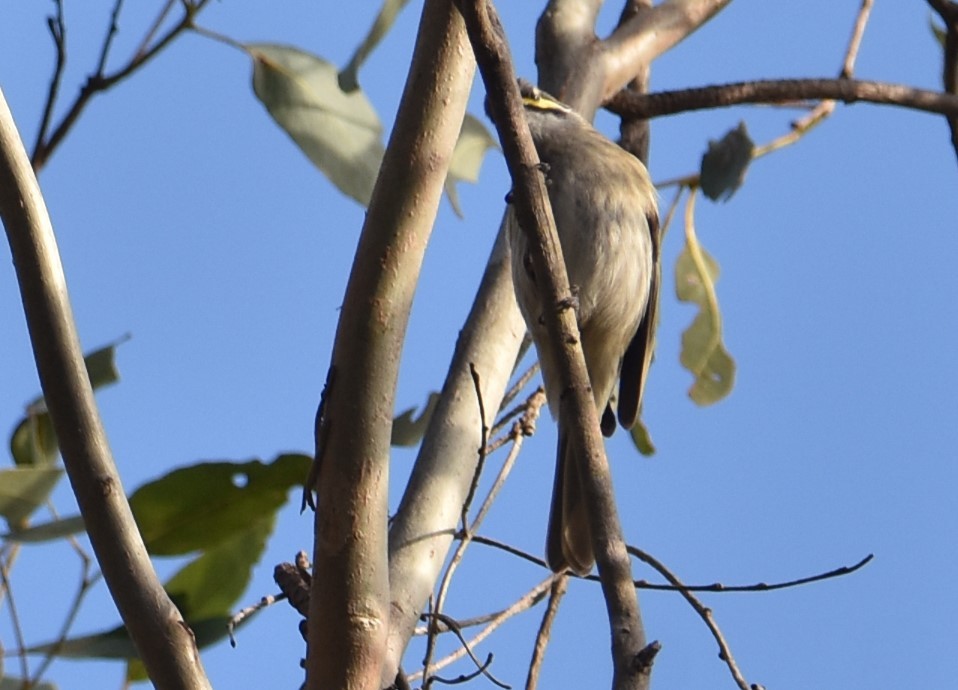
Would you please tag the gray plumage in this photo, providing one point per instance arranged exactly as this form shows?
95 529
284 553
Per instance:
604 206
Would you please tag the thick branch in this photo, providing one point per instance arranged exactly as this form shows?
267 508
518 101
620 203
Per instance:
162 638
349 600
535 217
781 91
645 36
426 521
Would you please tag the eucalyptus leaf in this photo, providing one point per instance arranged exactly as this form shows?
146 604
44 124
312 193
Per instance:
47 531
23 490
408 429
703 352
725 163
211 584
339 132
203 505
33 441
474 140
349 77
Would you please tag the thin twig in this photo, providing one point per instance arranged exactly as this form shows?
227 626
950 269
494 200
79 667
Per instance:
58 30
484 440
154 28
466 677
15 620
533 406
858 31
725 653
527 601
483 667
716 587
110 35
245 613
87 581
559 585
98 83
520 383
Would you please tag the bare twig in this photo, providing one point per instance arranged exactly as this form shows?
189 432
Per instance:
483 445
513 393
99 82
559 585
533 405
86 584
155 27
527 601
110 35
716 587
858 31
6 586
451 624
245 613
706 614
58 30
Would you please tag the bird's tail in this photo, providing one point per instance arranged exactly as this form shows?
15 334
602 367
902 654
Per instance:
569 539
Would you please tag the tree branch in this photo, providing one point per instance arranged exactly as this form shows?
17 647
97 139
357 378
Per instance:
349 600
648 34
534 213
725 653
162 638
948 11
423 529
781 91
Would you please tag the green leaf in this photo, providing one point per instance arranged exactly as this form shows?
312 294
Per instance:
339 132
34 442
211 584
116 643
474 140
23 490
642 439
349 77
200 506
111 644
703 352
408 429
725 163
47 531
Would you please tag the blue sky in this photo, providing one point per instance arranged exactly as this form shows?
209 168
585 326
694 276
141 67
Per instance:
187 219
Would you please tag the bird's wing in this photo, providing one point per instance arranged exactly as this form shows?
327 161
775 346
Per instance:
638 356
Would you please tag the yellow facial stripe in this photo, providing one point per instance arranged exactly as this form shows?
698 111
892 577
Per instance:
540 101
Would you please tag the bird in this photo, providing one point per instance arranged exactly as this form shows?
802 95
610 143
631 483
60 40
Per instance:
606 217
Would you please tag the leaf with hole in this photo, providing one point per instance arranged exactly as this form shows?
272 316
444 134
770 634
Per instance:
200 506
